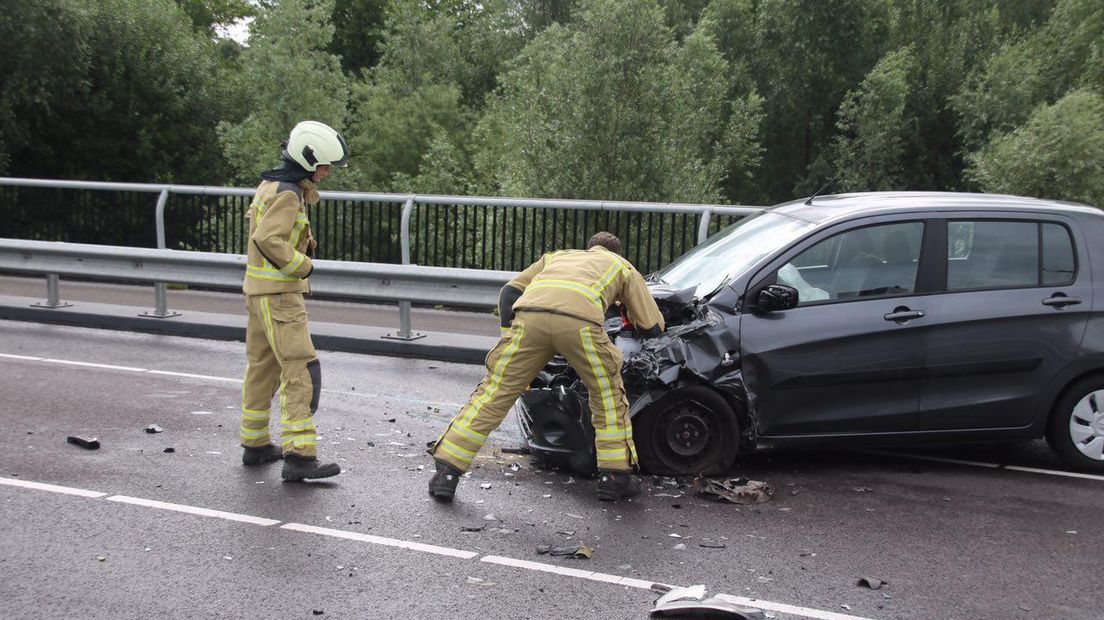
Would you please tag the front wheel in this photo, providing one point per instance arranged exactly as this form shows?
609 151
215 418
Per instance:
1076 428
691 430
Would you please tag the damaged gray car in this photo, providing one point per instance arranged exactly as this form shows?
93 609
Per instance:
853 320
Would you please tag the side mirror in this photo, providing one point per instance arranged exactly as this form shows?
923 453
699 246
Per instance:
776 297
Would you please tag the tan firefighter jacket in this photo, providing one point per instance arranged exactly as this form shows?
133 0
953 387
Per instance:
583 283
279 239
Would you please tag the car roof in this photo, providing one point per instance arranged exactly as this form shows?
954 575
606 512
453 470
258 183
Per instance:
835 206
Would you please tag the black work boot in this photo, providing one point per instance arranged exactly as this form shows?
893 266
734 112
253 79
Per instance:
297 468
613 485
442 485
261 455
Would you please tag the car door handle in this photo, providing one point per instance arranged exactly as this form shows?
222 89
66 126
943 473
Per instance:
904 314
1061 301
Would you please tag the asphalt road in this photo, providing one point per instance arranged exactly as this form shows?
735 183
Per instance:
952 540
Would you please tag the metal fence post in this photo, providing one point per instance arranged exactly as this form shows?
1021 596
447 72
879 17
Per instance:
405 332
703 226
52 300
160 289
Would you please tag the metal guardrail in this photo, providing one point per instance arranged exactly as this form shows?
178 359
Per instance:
358 281
516 230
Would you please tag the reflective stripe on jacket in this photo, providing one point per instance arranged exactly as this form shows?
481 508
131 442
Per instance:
583 283
279 235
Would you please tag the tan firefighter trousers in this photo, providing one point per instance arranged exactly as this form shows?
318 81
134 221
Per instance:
512 364
279 354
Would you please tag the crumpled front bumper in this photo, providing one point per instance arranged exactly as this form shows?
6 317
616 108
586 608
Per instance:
556 425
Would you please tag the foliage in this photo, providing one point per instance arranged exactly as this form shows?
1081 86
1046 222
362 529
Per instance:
870 146
751 101
286 76
1057 153
126 93
610 106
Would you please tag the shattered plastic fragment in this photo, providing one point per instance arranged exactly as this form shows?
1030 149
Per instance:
578 552
88 443
476 581
485 486
473 528
870 582
153 428
735 490
169 450
680 546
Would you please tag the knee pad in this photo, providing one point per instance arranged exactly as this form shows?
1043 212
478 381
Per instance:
315 370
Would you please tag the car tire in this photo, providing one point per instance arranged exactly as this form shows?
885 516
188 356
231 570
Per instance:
1076 427
690 430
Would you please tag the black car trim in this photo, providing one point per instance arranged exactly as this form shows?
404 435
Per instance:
912 373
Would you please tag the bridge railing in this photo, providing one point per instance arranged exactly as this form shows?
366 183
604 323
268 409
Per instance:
465 232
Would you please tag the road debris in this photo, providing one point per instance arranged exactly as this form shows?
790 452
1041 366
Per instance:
169 450
154 428
491 517
88 443
691 602
712 544
735 490
101 558
476 581
485 486
519 450
872 583
473 528
317 612
680 547
578 552
863 490
568 533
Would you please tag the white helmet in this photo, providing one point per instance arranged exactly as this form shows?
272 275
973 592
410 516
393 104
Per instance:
312 144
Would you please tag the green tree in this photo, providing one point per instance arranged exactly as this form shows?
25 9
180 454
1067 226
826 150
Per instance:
1058 153
808 54
869 151
207 15
127 93
287 75
358 32
611 107
1063 54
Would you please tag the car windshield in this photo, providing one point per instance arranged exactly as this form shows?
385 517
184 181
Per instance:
732 251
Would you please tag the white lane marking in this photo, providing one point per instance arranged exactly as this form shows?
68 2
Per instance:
91 365
203 512
569 572
19 357
417 546
53 488
380 540
1030 470
788 609
188 375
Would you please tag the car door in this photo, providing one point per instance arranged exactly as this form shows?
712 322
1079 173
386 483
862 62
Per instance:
847 358
1015 307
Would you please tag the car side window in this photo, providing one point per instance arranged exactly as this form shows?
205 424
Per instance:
865 262
1058 262
1003 254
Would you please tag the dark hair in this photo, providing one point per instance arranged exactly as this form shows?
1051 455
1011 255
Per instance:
607 240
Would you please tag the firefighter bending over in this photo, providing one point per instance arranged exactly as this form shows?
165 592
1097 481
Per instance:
557 305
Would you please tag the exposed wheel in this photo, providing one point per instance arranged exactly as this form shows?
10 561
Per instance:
1076 428
691 430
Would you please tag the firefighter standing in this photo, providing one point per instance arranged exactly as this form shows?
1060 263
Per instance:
278 348
557 305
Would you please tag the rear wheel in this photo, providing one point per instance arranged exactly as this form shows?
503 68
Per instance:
691 430
1076 428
